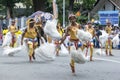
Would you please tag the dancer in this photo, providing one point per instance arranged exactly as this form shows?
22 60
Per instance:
61 32
4 32
30 34
60 29
108 44
91 30
13 29
71 31
39 26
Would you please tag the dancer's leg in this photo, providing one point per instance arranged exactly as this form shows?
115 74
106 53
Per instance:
91 51
31 50
72 65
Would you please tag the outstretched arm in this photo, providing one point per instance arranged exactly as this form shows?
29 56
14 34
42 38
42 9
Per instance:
64 37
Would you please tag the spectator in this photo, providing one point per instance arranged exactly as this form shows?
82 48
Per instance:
98 33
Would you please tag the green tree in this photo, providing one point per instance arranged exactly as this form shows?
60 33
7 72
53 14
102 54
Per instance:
29 7
84 6
9 4
88 4
60 10
39 5
71 5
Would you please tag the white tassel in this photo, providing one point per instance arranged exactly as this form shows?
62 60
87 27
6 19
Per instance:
46 51
51 30
77 55
63 51
83 35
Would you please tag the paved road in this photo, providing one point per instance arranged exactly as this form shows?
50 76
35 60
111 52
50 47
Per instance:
18 68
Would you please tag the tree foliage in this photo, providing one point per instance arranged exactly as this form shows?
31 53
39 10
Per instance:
88 4
9 4
46 5
85 6
29 7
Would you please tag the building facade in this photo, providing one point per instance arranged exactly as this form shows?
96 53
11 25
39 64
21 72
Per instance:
106 5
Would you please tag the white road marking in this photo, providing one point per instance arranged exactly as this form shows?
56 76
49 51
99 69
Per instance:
115 61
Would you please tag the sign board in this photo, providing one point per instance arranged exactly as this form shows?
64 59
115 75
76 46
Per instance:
111 16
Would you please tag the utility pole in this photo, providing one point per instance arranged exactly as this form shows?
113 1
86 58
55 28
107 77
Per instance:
63 13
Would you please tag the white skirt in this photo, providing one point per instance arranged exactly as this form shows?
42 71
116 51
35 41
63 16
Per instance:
46 51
